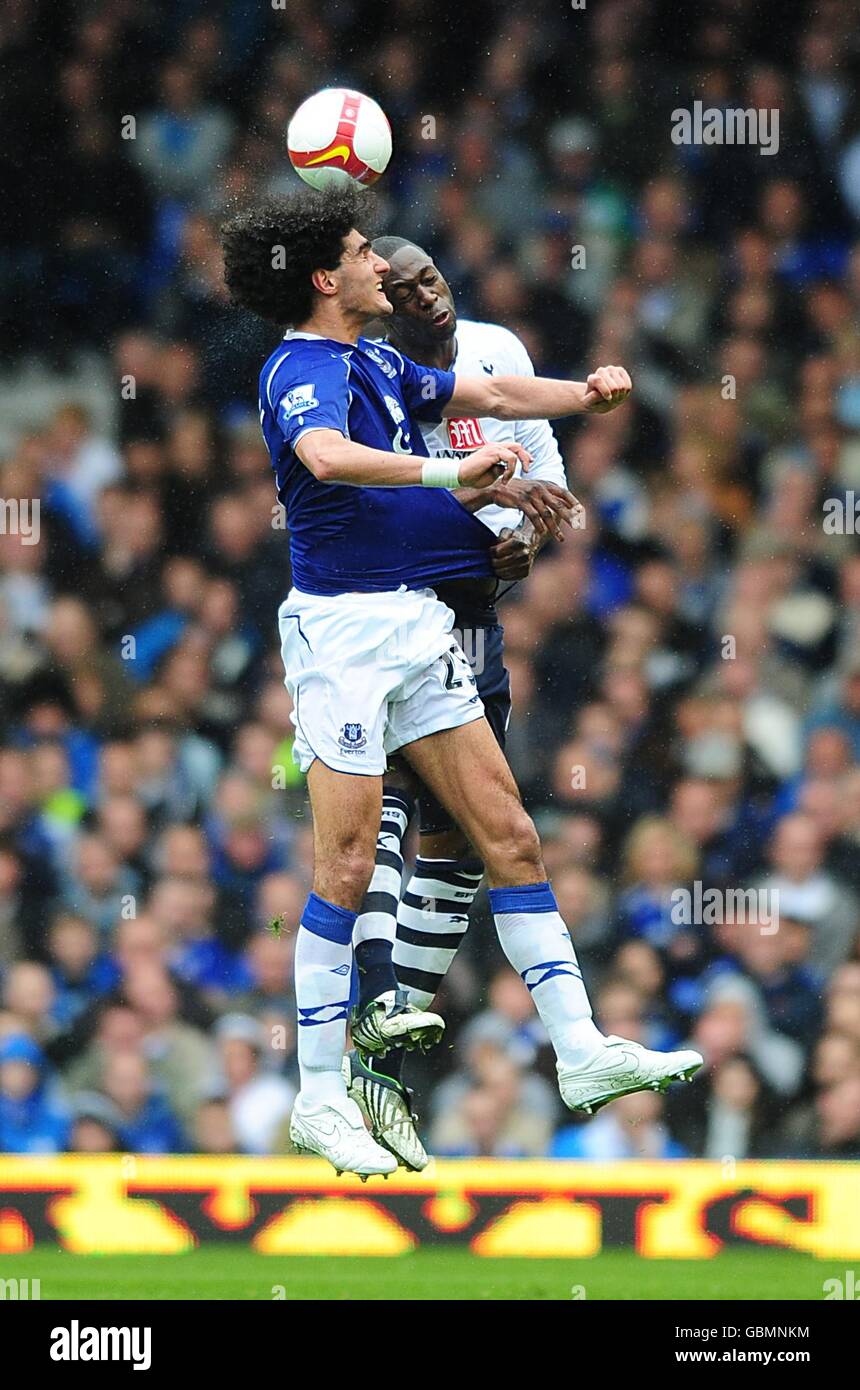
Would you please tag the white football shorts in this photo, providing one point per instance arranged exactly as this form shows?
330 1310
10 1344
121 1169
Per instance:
369 673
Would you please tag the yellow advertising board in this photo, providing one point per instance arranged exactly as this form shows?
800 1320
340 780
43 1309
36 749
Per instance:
123 1204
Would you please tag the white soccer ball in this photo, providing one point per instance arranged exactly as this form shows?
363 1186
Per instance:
338 136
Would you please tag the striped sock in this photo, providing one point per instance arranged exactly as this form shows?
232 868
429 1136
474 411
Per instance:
323 967
377 922
432 920
537 943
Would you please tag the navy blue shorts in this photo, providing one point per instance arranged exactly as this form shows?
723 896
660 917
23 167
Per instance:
484 648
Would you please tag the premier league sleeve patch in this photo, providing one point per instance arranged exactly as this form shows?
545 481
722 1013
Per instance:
298 400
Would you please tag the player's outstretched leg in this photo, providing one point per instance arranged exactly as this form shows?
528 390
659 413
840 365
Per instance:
432 919
386 1017
388 1021
592 1069
326 1120
467 771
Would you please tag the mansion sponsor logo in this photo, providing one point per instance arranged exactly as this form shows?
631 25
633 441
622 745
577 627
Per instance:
77 1343
464 435
731 125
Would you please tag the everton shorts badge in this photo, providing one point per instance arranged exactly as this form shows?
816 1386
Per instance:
352 738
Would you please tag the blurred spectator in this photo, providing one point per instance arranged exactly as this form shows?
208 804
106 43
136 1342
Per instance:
488 1068
181 141
259 1103
81 972
735 1020
657 861
838 1115
22 911
31 1120
805 890
182 908
269 962
180 1055
213 1128
790 990
95 1125
632 1128
79 465
493 1118
145 1122
511 1022
99 886
729 1114
28 993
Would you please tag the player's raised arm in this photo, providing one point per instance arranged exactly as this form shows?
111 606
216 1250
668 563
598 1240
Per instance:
332 458
539 397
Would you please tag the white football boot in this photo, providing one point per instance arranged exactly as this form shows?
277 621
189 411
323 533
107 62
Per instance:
337 1131
620 1068
387 1104
391 1021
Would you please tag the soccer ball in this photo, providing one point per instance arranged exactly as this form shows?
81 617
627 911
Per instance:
338 136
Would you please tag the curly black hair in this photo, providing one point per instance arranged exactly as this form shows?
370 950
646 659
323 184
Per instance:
310 227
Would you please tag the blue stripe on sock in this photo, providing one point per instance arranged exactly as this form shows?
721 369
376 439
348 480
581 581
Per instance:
327 920
551 968
528 897
307 1019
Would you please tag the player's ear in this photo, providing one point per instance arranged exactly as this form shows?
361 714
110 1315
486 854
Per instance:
324 282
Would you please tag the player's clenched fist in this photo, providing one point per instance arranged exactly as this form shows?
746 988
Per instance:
493 463
605 389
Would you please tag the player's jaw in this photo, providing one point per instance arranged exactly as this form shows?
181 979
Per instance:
361 276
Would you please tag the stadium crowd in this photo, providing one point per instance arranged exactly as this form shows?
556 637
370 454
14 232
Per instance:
686 668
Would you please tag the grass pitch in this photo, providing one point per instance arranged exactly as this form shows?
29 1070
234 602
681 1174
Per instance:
222 1272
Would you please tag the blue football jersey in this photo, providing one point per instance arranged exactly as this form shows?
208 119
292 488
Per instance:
345 538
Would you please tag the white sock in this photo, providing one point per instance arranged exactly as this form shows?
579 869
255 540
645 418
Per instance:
537 943
323 971
432 920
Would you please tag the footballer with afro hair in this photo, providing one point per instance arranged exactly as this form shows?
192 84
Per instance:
272 249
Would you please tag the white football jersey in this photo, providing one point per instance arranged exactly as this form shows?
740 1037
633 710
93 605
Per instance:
487 349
